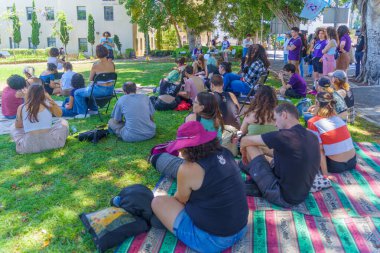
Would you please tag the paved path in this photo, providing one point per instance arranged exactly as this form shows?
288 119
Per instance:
367 98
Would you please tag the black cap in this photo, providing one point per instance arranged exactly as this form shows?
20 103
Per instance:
324 82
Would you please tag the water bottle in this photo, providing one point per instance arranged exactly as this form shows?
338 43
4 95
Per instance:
73 130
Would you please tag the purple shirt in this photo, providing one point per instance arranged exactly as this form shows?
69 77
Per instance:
347 39
294 55
318 47
298 84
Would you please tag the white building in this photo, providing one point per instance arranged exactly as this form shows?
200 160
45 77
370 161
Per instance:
109 15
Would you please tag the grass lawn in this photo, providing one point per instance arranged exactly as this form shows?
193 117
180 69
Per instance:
41 195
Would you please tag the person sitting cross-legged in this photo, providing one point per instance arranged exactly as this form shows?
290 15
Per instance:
138 124
296 87
337 150
209 211
68 106
296 159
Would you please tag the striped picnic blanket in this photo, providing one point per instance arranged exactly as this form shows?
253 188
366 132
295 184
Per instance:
345 217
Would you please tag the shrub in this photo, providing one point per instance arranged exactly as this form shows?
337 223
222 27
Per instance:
130 53
177 52
239 51
161 53
23 52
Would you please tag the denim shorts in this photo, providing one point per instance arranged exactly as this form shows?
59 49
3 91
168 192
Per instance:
199 240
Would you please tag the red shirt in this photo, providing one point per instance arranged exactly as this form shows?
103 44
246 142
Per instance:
9 102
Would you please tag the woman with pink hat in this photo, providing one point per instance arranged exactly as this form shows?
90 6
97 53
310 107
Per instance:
209 211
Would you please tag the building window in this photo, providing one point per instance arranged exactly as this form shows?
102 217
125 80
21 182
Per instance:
82 42
49 13
81 12
108 13
30 44
29 12
51 42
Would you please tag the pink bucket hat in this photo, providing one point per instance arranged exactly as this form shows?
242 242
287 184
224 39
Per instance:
191 134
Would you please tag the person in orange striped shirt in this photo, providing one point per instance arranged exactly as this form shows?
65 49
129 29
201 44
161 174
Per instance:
337 149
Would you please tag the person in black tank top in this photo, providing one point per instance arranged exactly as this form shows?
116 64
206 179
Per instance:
227 101
209 211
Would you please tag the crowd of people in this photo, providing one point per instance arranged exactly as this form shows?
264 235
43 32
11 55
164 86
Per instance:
209 211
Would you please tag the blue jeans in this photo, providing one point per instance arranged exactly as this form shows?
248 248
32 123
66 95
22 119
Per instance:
81 95
238 86
301 66
245 51
358 59
310 70
228 78
199 240
68 112
285 58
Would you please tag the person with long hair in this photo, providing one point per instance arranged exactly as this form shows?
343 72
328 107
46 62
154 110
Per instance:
209 211
100 89
337 149
199 65
259 118
34 128
344 48
108 43
318 46
329 52
207 112
49 77
341 86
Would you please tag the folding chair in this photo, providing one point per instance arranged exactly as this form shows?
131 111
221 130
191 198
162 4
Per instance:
246 100
101 102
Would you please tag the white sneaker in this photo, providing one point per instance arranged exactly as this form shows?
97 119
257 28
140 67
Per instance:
93 112
80 116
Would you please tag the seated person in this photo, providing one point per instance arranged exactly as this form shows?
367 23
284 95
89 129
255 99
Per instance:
212 66
296 87
206 111
193 85
225 70
196 51
337 150
259 118
68 106
296 159
175 75
324 85
66 79
137 110
9 99
341 86
29 74
101 89
256 65
209 211
34 129
228 103
48 78
199 66
54 58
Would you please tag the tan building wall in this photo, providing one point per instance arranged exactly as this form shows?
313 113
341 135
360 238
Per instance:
120 24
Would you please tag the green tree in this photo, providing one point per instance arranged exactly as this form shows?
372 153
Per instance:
169 41
91 33
15 25
62 29
35 27
159 39
116 40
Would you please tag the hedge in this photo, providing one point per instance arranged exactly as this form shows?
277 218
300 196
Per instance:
161 53
23 51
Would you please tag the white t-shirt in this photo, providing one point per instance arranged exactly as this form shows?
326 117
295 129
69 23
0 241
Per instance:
66 80
55 61
247 43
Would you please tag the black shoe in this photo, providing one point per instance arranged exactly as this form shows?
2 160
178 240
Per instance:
251 189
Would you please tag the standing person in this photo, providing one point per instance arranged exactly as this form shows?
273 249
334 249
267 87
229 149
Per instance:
318 47
214 42
311 41
287 181
303 52
66 79
225 48
247 42
100 89
34 129
286 50
227 101
137 111
107 41
209 211
337 150
329 52
343 61
294 47
359 51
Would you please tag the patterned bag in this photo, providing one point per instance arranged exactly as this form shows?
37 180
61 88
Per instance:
229 139
320 182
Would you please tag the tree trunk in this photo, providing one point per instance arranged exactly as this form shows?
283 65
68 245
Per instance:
147 44
285 15
177 32
370 10
191 38
257 37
